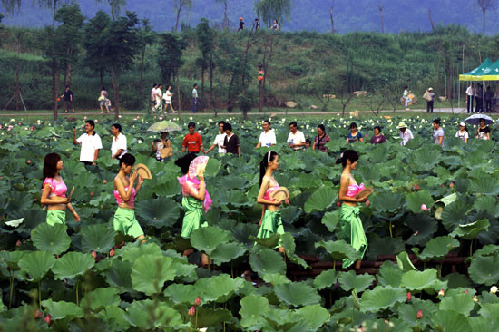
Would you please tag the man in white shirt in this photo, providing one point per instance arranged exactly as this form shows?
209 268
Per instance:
118 148
405 133
90 144
296 139
219 140
267 137
470 93
195 98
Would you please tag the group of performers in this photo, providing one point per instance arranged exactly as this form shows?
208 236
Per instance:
196 200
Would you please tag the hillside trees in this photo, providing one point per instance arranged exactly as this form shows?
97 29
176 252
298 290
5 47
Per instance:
484 6
178 5
205 41
271 10
225 22
170 61
145 37
95 43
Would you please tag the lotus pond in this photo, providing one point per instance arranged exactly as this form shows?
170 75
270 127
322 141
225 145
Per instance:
429 201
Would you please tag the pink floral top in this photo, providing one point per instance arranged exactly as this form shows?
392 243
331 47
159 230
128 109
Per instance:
119 200
353 190
57 188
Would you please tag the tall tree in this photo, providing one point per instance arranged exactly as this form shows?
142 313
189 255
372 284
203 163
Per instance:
178 5
485 5
205 42
146 37
170 61
95 43
331 17
115 6
271 10
225 22
380 9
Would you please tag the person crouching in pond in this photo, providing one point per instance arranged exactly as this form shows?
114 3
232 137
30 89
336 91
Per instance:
124 192
270 223
54 191
351 226
195 198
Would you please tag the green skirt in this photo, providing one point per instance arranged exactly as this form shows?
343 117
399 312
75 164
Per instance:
194 217
352 231
124 221
55 217
271 224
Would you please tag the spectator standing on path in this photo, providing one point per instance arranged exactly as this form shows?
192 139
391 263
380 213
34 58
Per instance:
405 134
470 93
438 133
429 96
167 99
354 135
192 141
406 98
90 142
489 95
219 139
118 148
103 101
378 136
153 96
241 24
267 136
483 131
68 99
256 24
462 133
195 98
296 139
479 98
231 141
321 139
157 98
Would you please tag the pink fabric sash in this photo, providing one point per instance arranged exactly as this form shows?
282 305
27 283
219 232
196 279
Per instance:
353 189
186 183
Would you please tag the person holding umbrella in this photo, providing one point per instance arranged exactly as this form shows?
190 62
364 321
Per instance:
483 131
162 148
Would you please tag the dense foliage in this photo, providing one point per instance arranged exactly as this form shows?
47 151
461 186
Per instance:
428 200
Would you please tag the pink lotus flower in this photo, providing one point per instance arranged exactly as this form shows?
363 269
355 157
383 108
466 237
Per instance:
441 292
417 187
94 254
197 301
409 296
48 320
18 243
451 185
192 312
111 253
104 181
419 315
423 207
38 314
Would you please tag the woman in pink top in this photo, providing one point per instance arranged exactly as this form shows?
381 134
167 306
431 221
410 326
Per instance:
124 192
54 191
351 225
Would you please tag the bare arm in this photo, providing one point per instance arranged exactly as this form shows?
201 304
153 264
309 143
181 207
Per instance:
239 150
258 145
440 139
125 194
45 200
199 194
96 155
74 137
261 193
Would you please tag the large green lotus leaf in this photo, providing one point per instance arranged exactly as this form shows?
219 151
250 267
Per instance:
404 262
422 280
297 294
488 204
487 250
226 252
389 202
380 246
338 250
462 303
62 309
454 214
37 264
485 270
416 199
150 272
290 213
471 230
72 264
331 219
480 324
232 182
423 227
381 298
180 293
208 239
219 288
438 248
275 279
253 310
350 280
314 316
119 275
212 167
98 238
135 250
488 185
271 242
148 314
100 298
288 243
168 189
321 199
52 239
11 258
305 181
208 317
390 275
326 279
447 320
161 212
408 312
458 280
114 317
266 261
490 311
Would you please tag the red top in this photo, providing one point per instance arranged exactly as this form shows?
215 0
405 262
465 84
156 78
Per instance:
193 142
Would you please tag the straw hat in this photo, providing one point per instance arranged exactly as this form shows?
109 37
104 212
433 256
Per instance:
401 125
430 89
280 194
143 171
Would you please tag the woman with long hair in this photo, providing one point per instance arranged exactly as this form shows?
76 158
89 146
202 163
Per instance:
124 192
351 225
270 223
54 191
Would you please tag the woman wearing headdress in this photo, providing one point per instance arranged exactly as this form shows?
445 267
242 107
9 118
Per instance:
351 225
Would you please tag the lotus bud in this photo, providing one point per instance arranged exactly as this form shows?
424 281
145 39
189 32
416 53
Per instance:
111 253
94 254
417 187
18 244
423 207
38 314
409 296
475 299
197 301
419 315
48 320
338 203
451 185
441 292
104 181
466 291
493 289
192 312
96 120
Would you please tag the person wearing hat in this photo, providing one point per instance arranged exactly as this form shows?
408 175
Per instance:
429 96
462 133
438 133
405 134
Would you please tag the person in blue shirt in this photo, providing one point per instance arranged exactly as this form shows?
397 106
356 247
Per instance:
354 135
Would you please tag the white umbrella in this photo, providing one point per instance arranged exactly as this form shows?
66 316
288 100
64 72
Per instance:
475 119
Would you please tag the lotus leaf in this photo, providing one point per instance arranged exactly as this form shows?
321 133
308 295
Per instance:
471 230
416 199
150 272
338 249
100 298
383 246
266 261
62 309
132 251
408 312
52 239
404 262
448 320
161 212
320 200
438 248
114 317
179 293
219 288
72 264
98 237
421 280
423 227
381 298
208 239
297 294
454 214
288 243
457 280
488 250
485 270
490 311
488 185
208 317
389 202
253 310
290 213
390 275
212 167
150 315
36 264
270 242
326 279
330 220
350 280
489 204
480 324
462 303
226 252
120 275
168 189
275 279
313 316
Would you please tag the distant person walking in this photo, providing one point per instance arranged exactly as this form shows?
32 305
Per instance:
157 98
167 99
479 98
321 139
231 141
219 139
68 99
406 98
241 24
195 98
275 26
429 96
267 137
119 146
470 93
103 101
256 24
153 97
192 141
462 133
438 133
90 142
